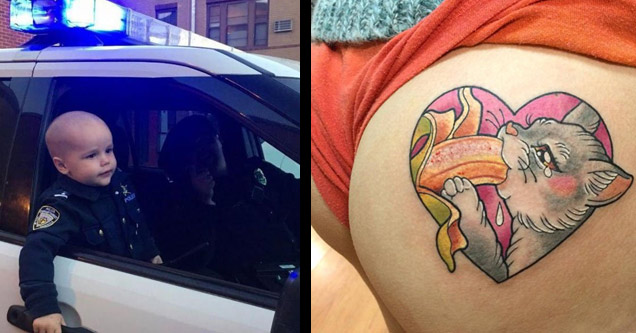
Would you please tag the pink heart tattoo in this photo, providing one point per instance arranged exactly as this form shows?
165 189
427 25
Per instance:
505 187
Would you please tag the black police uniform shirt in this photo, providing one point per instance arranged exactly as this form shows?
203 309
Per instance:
102 218
186 229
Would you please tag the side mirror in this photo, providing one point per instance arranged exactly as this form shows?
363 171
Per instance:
287 316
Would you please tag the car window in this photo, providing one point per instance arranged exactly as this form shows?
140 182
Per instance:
9 109
276 157
246 232
15 200
255 236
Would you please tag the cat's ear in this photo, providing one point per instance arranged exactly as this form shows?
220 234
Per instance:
605 183
584 116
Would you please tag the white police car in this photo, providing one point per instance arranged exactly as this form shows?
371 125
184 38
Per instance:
96 56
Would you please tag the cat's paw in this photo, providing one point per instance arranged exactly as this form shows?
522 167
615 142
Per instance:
463 195
461 192
482 247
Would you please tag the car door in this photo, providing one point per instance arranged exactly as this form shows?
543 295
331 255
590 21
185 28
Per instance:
14 80
103 292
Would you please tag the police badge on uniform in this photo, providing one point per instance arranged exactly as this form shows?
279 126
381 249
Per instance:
124 189
47 216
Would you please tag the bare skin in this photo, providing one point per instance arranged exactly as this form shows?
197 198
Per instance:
66 130
49 324
81 147
339 238
584 284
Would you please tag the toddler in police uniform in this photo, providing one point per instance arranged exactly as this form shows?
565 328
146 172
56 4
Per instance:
91 204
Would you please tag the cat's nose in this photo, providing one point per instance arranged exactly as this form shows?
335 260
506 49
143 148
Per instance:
511 130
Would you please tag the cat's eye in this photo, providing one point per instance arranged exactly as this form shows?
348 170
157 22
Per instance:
544 154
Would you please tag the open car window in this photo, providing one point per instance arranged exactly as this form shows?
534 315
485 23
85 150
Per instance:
248 234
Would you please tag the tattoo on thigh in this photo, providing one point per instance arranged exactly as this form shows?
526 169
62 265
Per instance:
506 187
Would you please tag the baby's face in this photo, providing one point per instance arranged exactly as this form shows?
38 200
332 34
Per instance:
89 159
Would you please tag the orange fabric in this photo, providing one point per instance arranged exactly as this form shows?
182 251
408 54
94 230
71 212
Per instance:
349 83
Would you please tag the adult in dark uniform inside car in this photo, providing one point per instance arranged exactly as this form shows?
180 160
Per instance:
92 204
216 223
186 225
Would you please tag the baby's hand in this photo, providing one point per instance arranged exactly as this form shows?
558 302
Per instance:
49 324
157 260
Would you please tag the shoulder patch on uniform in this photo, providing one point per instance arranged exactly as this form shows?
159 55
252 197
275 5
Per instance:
46 217
259 176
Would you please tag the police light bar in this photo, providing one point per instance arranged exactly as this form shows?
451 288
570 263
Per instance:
100 17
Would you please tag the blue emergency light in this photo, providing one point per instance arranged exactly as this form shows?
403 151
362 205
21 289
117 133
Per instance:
100 17
41 16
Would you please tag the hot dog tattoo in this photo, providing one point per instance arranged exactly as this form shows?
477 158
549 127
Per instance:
507 187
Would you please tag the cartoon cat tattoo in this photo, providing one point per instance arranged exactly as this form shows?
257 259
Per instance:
558 174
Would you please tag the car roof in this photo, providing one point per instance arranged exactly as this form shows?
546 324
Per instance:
216 61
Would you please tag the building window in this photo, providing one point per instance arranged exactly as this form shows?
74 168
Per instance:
241 24
237 20
167 14
260 34
260 22
214 27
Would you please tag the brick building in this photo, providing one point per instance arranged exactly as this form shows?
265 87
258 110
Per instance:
8 37
269 27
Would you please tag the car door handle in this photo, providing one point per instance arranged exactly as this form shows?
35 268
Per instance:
20 318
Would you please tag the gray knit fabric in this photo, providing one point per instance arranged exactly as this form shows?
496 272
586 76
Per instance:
356 21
